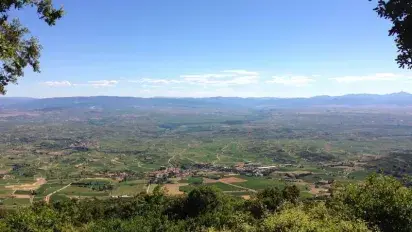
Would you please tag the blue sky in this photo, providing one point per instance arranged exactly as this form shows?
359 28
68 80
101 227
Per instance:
207 48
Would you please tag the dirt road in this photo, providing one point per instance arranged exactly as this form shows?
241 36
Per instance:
237 186
39 182
47 198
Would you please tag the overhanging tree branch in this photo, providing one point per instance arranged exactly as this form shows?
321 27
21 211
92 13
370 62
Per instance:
18 49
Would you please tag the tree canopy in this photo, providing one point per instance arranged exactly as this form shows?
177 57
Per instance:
18 49
380 204
399 13
382 201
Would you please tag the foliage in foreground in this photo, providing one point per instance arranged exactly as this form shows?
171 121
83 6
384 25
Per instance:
380 204
382 201
315 218
17 49
398 12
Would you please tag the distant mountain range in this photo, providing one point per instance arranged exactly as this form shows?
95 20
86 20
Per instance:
106 102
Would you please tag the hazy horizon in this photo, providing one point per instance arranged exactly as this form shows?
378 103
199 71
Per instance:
349 94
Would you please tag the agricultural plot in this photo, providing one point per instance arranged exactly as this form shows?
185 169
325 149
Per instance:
110 152
15 202
82 192
4 191
224 187
129 189
359 175
195 180
23 192
228 184
239 193
58 197
176 189
258 183
48 188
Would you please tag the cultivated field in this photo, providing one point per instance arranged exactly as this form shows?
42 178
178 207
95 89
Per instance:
81 153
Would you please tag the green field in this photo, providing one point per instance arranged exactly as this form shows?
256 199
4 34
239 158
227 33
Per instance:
80 191
4 191
23 192
130 190
258 183
224 187
195 180
240 193
359 175
218 185
58 197
48 188
15 201
95 150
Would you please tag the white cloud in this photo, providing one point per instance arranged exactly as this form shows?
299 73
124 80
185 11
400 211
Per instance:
58 83
100 83
156 81
245 80
297 81
226 77
103 83
150 86
373 77
223 78
242 72
209 75
222 92
241 80
223 74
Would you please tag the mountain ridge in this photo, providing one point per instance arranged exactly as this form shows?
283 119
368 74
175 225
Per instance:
392 99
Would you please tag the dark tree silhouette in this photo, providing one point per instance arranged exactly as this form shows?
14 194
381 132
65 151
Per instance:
17 48
399 13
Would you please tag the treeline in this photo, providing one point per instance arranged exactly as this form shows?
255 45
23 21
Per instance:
96 185
381 203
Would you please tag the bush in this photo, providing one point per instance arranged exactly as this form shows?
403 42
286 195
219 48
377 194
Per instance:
317 218
380 204
382 201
